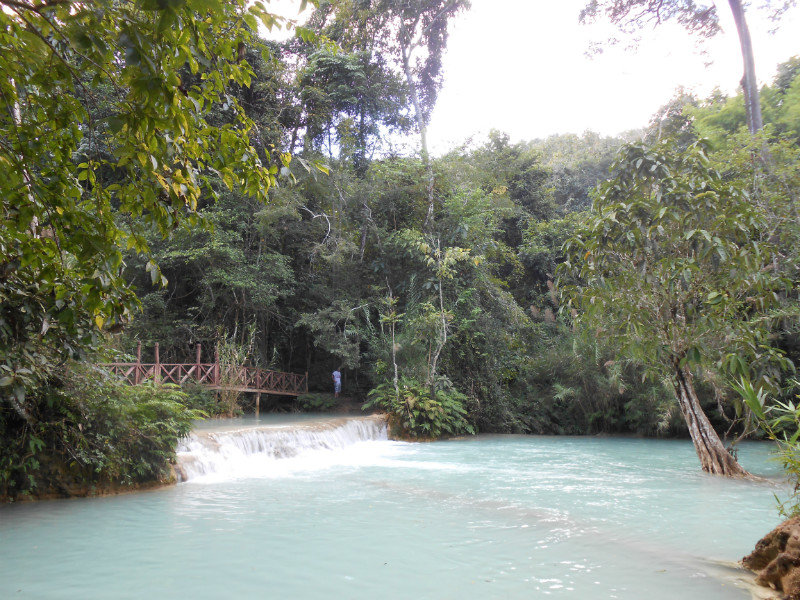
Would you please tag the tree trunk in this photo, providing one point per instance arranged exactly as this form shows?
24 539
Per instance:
393 323
442 340
714 458
21 410
423 136
396 378
749 84
366 218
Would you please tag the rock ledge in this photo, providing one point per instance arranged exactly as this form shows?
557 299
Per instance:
776 559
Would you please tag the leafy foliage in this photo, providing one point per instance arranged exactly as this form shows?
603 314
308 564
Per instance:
414 31
417 412
232 352
720 118
781 423
579 386
91 432
629 15
108 133
429 281
671 262
675 274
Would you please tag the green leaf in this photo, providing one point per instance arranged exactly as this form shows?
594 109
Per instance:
694 355
251 21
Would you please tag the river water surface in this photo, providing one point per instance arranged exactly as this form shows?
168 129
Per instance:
328 508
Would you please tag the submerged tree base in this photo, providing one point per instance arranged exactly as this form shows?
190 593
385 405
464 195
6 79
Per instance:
714 458
776 559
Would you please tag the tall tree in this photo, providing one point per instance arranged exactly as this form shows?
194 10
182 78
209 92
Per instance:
353 99
671 268
412 34
697 18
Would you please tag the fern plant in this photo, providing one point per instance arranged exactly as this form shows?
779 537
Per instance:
417 412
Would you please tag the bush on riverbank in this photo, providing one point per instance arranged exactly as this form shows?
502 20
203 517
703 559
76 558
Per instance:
89 432
415 412
201 398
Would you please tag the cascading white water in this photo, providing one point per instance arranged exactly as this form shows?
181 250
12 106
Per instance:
257 450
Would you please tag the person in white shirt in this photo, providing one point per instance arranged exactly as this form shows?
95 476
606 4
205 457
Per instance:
337 383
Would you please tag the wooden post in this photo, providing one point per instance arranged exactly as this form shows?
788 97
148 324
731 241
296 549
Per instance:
137 372
157 369
258 402
216 365
197 364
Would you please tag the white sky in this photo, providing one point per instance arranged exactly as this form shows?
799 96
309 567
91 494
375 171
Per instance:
520 66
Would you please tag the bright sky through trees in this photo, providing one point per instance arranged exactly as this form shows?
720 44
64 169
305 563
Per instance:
521 67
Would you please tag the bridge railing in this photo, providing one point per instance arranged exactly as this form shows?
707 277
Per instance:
215 375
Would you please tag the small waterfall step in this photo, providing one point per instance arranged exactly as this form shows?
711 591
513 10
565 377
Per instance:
207 452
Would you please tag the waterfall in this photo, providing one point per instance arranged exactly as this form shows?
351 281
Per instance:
262 450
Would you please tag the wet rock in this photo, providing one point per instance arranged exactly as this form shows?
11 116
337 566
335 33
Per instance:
776 559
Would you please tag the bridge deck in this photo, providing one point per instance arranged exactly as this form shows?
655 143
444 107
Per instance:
216 376
220 377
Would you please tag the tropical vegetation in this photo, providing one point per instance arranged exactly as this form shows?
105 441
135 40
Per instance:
172 177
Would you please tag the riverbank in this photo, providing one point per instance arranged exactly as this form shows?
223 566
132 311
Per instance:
99 491
65 485
168 472
87 433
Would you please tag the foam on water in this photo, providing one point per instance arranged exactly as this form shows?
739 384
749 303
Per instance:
279 450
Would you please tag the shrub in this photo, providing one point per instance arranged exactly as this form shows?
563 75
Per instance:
232 353
201 398
89 431
418 413
780 421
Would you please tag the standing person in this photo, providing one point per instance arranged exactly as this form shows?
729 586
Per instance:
337 383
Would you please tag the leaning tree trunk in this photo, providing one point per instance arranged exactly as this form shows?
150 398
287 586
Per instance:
749 84
714 458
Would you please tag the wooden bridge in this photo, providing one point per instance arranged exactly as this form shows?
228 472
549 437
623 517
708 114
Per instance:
216 376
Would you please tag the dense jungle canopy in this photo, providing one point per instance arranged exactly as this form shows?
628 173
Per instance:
172 177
